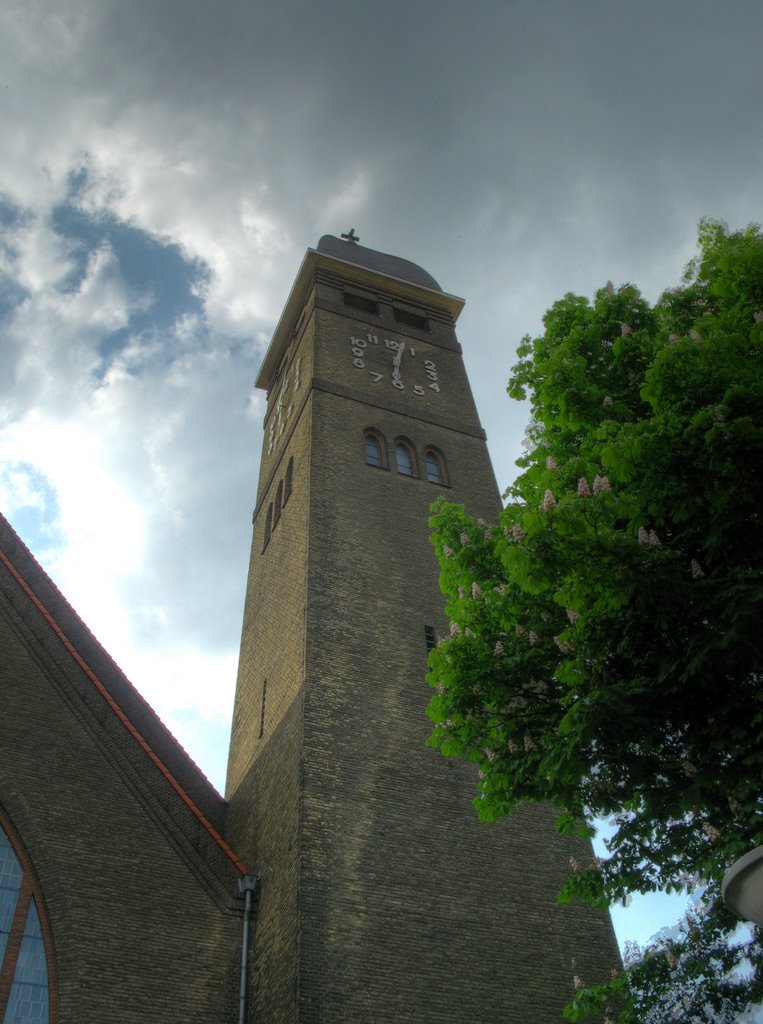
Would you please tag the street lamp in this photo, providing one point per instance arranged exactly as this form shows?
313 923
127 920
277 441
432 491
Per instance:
742 886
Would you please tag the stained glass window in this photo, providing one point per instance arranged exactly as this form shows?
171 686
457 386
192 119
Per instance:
10 882
23 959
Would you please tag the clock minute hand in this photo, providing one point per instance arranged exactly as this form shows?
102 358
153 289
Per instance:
396 361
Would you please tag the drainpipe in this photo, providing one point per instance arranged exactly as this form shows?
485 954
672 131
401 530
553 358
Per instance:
247 884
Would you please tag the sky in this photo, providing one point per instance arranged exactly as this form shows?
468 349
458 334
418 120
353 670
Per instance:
166 163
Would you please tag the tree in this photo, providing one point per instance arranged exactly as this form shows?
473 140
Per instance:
605 643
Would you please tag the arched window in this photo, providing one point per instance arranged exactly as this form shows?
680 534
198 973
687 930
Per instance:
268 526
25 992
375 449
287 484
435 466
405 459
279 502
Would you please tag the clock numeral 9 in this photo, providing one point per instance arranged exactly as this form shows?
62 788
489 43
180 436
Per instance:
358 345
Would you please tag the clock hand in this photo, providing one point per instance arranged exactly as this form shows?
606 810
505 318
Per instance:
396 361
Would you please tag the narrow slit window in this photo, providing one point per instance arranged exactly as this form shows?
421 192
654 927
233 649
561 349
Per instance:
429 638
268 526
262 708
288 480
278 503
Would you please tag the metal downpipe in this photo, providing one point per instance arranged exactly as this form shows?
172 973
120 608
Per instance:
247 884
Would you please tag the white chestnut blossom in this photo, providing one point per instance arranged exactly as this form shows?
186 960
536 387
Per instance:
711 832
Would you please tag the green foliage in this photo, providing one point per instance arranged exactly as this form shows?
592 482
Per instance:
605 648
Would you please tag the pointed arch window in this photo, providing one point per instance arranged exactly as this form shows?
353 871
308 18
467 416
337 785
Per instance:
405 460
435 466
26 995
375 449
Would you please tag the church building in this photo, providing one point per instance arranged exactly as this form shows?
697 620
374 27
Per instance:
344 877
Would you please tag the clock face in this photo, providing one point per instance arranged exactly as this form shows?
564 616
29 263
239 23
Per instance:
392 363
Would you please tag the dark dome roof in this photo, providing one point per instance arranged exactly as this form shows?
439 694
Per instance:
394 266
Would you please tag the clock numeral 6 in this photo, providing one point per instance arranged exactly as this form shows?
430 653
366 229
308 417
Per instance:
398 384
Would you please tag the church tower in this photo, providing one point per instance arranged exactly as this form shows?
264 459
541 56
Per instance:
382 898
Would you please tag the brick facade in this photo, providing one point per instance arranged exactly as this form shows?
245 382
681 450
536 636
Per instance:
139 888
381 897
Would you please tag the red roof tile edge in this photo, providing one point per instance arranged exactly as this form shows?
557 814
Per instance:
112 703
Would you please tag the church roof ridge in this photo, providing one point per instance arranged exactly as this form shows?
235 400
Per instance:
30 576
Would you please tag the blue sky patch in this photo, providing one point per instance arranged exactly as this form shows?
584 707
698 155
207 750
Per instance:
32 506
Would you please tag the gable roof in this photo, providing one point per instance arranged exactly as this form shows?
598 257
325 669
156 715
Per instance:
167 771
